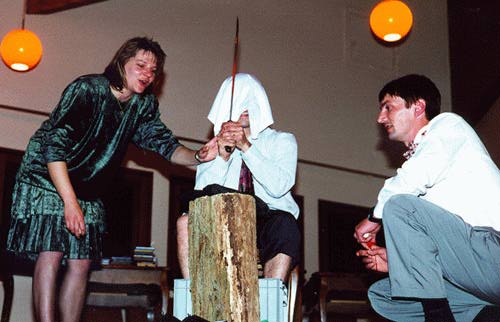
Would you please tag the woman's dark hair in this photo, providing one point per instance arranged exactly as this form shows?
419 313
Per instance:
115 71
413 87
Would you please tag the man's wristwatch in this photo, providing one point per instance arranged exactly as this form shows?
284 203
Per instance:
374 219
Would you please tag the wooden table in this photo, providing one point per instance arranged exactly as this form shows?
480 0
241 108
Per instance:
344 294
125 286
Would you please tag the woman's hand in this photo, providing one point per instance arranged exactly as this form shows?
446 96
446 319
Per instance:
208 152
73 216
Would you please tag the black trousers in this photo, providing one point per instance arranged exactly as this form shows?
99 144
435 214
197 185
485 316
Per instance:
277 230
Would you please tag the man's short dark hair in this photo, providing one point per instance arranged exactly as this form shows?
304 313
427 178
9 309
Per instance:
115 71
413 87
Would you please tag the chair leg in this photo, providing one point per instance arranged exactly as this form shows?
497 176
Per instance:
8 287
293 281
323 290
150 315
124 314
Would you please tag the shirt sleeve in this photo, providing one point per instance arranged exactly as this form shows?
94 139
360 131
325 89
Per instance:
427 167
275 167
212 172
152 134
69 121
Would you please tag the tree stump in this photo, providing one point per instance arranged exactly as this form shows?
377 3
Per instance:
223 258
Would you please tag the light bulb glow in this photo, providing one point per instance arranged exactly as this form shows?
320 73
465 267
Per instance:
19 67
392 37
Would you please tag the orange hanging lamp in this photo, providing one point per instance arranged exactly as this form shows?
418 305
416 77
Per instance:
21 49
391 20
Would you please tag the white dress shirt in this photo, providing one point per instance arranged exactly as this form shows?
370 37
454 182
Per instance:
272 159
452 169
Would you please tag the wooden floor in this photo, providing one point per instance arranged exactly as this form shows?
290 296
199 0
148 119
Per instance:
338 317
94 314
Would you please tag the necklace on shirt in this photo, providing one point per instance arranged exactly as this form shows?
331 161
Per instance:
118 93
123 106
122 109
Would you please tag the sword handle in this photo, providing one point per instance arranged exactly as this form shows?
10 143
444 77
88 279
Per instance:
227 147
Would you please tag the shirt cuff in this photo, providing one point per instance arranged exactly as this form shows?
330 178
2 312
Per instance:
374 219
252 155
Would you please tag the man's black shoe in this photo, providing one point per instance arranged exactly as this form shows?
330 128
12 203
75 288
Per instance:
488 314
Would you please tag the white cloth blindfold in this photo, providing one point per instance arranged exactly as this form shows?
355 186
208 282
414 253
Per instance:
249 95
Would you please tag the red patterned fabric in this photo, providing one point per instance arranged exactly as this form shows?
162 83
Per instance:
246 181
411 148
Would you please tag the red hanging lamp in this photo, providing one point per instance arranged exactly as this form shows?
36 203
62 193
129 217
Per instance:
391 20
21 49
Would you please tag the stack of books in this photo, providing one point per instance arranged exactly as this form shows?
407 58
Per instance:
145 256
121 260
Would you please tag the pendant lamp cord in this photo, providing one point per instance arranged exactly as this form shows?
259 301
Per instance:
24 14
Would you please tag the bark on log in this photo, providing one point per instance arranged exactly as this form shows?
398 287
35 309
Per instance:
223 258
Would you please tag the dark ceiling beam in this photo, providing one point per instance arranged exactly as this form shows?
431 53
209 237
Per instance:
50 6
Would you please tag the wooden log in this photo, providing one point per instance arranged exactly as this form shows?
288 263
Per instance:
223 258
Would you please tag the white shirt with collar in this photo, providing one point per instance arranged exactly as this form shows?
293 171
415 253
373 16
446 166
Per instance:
452 169
272 159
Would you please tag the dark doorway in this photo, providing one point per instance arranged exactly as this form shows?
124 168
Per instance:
337 246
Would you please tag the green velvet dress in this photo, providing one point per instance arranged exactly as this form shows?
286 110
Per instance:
90 131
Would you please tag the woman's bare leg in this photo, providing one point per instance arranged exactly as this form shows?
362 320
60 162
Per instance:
44 285
73 289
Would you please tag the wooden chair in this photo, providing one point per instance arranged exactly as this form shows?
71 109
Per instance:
8 290
344 294
294 298
6 275
10 266
129 286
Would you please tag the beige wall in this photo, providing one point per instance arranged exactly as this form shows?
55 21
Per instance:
316 58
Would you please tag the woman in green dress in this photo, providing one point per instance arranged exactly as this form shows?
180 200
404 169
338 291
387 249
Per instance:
57 216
